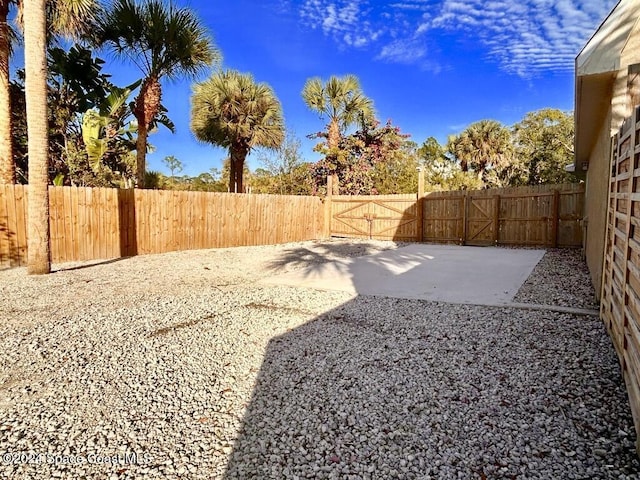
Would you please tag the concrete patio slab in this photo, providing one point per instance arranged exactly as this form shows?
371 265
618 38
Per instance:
446 273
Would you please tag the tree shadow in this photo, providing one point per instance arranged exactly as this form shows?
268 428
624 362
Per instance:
321 253
127 222
88 264
392 388
14 255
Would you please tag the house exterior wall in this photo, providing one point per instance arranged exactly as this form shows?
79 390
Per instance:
598 174
596 195
613 189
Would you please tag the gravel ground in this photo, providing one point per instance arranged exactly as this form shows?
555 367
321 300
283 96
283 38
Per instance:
561 278
181 366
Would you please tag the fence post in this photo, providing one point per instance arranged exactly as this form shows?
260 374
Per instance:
327 207
335 184
556 219
496 221
465 214
420 206
420 181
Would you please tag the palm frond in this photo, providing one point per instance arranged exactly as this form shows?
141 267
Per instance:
340 99
161 39
230 107
73 19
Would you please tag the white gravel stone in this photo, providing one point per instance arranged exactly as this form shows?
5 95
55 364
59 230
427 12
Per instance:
181 366
561 278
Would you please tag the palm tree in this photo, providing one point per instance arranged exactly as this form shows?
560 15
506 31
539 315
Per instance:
163 41
35 49
231 110
483 145
341 100
67 18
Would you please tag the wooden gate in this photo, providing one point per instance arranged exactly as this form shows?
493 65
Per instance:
462 219
482 220
382 217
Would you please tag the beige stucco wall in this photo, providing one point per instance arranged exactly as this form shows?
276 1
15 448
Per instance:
598 178
596 195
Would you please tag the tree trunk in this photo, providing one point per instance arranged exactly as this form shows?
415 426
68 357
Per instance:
7 165
145 110
35 50
141 153
236 168
333 139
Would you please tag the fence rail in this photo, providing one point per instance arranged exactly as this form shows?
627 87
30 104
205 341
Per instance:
100 223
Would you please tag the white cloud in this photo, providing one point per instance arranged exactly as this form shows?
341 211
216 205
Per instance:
526 37
344 20
402 51
523 36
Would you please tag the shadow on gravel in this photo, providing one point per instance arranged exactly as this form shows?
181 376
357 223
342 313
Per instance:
89 264
389 388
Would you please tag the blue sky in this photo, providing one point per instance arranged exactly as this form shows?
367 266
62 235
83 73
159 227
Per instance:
431 66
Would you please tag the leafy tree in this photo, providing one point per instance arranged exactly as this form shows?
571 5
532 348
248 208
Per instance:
438 168
210 181
232 111
282 172
298 182
71 19
19 131
155 180
7 165
544 143
459 180
173 164
77 74
398 172
263 181
107 133
509 174
357 158
481 147
88 148
76 83
163 41
431 152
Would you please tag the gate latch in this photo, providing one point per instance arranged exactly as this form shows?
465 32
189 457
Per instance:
370 217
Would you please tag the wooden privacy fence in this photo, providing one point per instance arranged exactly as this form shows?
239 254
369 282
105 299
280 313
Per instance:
100 223
97 223
620 304
546 215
